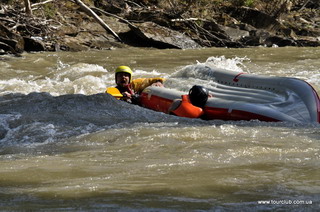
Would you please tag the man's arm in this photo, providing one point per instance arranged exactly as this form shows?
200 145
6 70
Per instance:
139 84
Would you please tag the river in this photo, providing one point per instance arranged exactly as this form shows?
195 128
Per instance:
65 145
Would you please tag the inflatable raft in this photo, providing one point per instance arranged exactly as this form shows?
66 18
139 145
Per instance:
243 96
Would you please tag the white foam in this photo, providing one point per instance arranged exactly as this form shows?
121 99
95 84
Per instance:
234 64
200 73
80 78
141 73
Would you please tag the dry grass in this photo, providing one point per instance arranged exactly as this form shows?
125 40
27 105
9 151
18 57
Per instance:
195 8
201 7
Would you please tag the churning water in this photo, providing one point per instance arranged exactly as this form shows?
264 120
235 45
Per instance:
66 145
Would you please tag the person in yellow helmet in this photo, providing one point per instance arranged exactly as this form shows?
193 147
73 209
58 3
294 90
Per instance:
131 88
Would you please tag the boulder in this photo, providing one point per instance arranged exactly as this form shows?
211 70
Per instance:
256 38
152 34
34 44
279 41
309 42
221 36
69 30
255 18
235 34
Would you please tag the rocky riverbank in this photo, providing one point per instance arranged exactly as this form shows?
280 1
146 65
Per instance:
65 26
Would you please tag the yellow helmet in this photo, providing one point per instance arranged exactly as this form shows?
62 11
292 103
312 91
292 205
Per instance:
124 69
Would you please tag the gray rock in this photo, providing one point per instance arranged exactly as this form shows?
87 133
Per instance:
156 35
234 33
33 44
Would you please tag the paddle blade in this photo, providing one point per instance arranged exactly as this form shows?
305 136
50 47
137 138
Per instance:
114 92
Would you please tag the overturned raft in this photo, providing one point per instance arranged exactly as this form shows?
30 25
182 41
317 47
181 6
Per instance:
243 96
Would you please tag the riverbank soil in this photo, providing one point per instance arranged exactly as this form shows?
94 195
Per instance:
67 26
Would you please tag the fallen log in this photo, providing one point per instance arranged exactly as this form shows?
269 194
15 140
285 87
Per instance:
113 15
89 12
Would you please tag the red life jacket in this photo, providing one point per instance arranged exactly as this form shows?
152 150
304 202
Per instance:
186 109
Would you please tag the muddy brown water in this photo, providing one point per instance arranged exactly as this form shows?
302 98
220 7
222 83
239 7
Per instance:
64 145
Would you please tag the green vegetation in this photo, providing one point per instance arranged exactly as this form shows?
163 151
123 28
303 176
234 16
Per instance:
49 10
249 3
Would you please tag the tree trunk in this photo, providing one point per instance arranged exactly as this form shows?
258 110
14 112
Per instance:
28 7
89 12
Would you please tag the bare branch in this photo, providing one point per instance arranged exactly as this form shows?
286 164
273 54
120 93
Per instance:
113 15
89 12
28 7
132 2
41 3
304 5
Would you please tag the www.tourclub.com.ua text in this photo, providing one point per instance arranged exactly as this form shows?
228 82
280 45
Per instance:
285 202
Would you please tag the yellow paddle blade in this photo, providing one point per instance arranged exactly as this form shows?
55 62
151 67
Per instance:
114 92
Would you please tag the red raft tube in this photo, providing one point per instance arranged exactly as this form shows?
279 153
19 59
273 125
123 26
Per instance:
242 96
